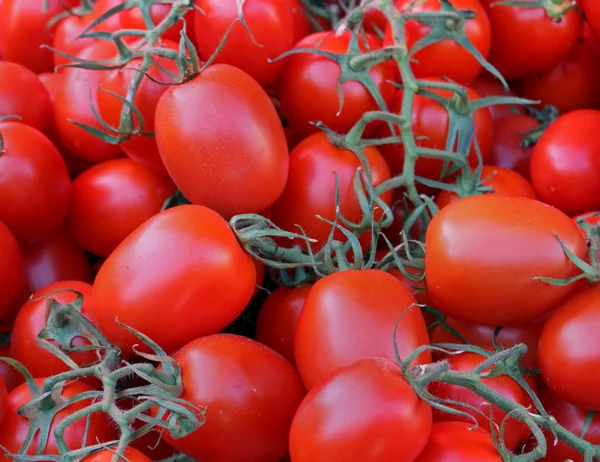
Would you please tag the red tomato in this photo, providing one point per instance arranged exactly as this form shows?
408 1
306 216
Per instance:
506 150
132 18
186 258
23 30
111 199
357 414
430 121
445 58
301 24
458 442
502 180
573 419
37 210
251 394
14 428
565 164
106 455
11 377
569 337
278 317
418 289
591 9
528 39
3 397
72 103
239 162
67 40
140 148
15 305
571 83
374 21
58 258
483 253
316 166
488 86
309 87
271 25
32 319
351 315
11 269
515 432
22 94
114 22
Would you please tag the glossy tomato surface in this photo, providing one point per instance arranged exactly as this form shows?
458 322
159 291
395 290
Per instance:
106 455
11 269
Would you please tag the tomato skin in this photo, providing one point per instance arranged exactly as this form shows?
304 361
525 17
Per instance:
301 24
568 338
106 455
496 245
58 258
430 120
32 319
132 18
488 86
251 394
507 151
565 164
10 376
349 316
226 167
14 427
29 158
355 414
308 87
446 58
591 10
270 22
111 199
184 258
3 397
11 269
22 94
278 317
572 418
67 40
457 441
315 166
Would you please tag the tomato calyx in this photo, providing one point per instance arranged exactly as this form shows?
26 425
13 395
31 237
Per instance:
545 117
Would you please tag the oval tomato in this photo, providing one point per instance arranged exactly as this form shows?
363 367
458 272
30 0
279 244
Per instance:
11 269
111 199
430 122
527 39
12 378
317 167
66 38
569 338
356 414
488 86
278 317
309 87
349 316
483 253
565 164
29 158
238 163
251 395
458 441
106 455
186 258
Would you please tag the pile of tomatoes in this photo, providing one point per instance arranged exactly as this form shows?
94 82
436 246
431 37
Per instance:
361 230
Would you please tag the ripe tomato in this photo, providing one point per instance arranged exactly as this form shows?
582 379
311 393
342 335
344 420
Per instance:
106 455
515 432
301 24
374 21
309 86
11 269
483 253
251 394
11 377
14 427
22 94
569 338
591 10
111 199
29 158
507 150
23 29
527 39
365 411
418 289
430 121
445 58
457 441
72 103
489 86
132 18
316 167
32 319
66 38
573 419
271 25
114 22
351 315
239 162
14 306
502 180
278 317
58 258
183 258
565 164
3 397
